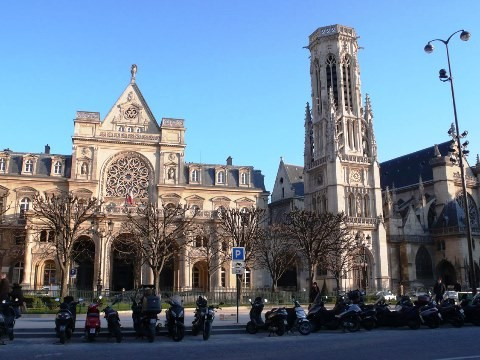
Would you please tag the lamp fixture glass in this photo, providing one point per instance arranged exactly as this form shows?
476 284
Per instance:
465 35
428 48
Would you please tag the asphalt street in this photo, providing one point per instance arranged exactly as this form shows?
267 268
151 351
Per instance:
440 344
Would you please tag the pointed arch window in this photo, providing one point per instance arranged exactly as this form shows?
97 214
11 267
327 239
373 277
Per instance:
472 208
318 87
57 168
29 166
331 69
351 205
347 83
366 206
423 264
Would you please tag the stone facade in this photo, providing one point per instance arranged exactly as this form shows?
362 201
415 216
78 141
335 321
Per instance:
128 153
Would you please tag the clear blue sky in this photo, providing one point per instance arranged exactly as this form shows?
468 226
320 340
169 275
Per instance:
234 70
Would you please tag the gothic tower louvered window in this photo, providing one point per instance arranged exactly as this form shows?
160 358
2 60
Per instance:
331 69
318 87
347 83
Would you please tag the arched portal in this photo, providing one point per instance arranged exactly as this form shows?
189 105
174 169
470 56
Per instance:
288 281
363 270
83 258
447 272
199 275
124 263
423 264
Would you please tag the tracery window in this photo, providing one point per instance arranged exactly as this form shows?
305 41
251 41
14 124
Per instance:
347 83
472 208
366 206
331 69
128 175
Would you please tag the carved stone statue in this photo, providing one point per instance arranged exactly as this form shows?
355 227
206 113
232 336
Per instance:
171 174
133 71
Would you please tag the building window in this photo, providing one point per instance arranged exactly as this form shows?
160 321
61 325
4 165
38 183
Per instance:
49 273
221 177
366 206
351 205
43 236
195 277
57 168
129 129
138 130
244 178
17 276
198 241
223 277
121 128
194 176
322 270
29 166
24 206
2 164
248 278
347 84
331 69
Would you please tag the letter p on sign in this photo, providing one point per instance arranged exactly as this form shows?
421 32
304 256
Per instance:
238 254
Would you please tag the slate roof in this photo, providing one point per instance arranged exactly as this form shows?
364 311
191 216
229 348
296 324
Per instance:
405 170
295 175
43 166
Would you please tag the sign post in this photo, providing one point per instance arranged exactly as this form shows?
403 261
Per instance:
238 268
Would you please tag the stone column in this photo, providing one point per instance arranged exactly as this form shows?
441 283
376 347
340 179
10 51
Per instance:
28 263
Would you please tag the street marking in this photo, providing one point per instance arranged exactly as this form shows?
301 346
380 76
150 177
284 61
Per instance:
461 357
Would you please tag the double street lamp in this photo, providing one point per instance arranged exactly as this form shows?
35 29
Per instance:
454 132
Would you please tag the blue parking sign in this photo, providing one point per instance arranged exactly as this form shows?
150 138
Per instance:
73 273
238 254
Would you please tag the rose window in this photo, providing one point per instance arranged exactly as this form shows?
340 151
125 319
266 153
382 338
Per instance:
131 113
128 174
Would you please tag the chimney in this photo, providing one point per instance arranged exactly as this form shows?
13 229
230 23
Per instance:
47 149
229 160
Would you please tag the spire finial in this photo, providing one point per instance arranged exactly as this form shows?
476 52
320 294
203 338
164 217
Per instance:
133 71
436 151
478 160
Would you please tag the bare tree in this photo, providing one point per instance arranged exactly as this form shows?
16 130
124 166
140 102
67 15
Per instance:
207 246
157 234
312 235
342 252
275 252
64 214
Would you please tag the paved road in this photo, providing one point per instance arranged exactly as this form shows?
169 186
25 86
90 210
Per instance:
443 343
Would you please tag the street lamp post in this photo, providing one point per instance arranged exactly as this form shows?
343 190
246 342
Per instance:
363 279
456 136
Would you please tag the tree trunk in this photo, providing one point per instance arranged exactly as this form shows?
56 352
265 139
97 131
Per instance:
274 285
208 281
156 281
310 276
64 282
337 280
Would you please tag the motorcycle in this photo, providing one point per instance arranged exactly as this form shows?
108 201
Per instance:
275 319
66 318
319 316
113 320
175 316
7 319
452 313
137 317
429 314
405 314
471 309
149 316
297 319
92 321
203 318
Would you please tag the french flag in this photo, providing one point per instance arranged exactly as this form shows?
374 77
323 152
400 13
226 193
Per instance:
129 198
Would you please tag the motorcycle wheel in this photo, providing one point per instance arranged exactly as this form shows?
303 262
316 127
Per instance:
62 337
151 333
206 330
458 321
194 330
280 328
368 324
251 328
11 335
178 333
351 323
304 328
118 333
414 324
68 333
433 323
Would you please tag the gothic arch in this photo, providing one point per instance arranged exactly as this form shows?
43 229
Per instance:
126 171
447 272
423 264
472 207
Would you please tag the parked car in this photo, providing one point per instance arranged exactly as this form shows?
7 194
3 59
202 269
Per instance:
387 295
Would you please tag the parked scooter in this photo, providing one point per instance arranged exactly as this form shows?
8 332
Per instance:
275 319
429 314
113 320
405 314
319 316
203 318
92 321
7 319
297 319
471 309
149 315
137 316
451 312
175 318
65 318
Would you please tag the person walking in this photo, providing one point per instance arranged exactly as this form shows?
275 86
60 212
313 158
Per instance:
439 289
314 291
16 296
4 287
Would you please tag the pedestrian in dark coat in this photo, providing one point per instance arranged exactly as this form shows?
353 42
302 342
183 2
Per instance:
16 295
314 291
4 287
439 289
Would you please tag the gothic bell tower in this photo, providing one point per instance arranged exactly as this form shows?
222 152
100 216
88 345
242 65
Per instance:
341 166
